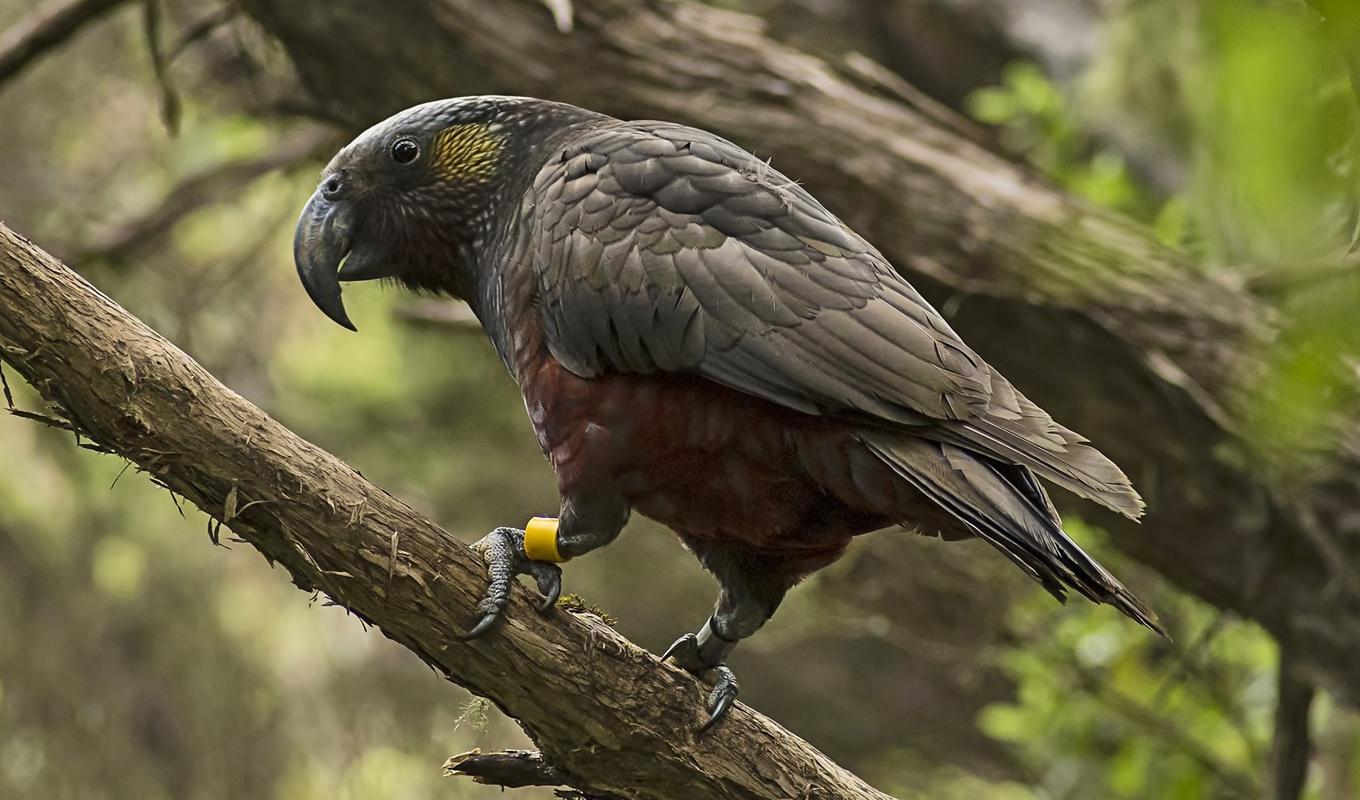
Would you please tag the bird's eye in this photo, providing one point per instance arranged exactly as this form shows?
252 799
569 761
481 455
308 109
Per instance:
405 150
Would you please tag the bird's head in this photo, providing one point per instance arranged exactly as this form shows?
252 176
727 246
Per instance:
412 197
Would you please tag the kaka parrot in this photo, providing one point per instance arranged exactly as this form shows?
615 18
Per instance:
698 339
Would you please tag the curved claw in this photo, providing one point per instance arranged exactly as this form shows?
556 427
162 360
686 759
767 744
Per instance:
503 552
687 642
486 623
717 715
550 598
687 655
721 699
549 580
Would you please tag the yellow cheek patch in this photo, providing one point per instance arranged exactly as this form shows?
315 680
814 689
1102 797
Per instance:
466 152
540 540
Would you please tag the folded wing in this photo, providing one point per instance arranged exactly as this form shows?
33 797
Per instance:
664 248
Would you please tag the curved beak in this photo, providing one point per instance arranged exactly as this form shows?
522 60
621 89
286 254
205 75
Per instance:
324 236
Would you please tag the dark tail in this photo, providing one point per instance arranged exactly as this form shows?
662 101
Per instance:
1006 506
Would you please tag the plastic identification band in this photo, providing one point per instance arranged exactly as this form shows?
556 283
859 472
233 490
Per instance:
540 540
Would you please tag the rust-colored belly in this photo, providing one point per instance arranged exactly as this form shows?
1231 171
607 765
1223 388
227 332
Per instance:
708 462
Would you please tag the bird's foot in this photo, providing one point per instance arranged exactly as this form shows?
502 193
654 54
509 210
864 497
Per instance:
503 552
696 656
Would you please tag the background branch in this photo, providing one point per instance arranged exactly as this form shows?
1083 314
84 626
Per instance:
200 190
606 713
45 28
1293 747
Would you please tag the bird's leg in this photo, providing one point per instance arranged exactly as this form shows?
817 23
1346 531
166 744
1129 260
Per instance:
586 522
742 608
505 557
701 652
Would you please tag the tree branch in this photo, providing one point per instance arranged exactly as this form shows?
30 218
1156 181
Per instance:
199 191
512 769
604 712
43 29
1053 292
1293 746
200 30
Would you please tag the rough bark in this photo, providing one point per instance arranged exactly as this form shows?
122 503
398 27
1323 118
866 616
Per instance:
1121 338
605 713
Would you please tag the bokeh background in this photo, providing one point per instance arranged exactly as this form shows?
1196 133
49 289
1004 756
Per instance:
139 661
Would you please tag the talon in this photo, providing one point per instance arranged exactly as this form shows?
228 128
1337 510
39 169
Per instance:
689 654
486 623
503 552
717 716
550 598
549 579
720 700
688 639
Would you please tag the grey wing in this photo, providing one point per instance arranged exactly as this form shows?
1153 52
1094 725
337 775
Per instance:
664 248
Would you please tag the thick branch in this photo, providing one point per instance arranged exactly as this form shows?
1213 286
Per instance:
603 711
1121 338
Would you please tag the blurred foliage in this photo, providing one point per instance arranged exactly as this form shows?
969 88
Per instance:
1260 103
1259 100
1036 119
1287 195
138 661
1274 117
1103 714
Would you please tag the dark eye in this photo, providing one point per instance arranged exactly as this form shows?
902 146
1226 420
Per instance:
405 150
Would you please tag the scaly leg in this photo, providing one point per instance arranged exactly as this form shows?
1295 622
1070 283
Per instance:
701 652
751 591
587 522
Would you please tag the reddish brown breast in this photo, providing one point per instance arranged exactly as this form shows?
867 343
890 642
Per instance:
709 462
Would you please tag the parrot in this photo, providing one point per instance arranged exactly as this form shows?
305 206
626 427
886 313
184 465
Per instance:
699 340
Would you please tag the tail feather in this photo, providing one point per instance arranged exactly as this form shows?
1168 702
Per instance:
1076 466
1015 430
1004 505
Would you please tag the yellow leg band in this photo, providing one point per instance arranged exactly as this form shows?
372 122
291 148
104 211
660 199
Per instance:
540 540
